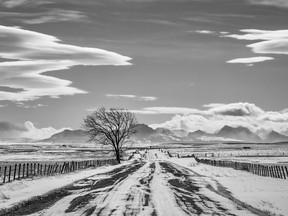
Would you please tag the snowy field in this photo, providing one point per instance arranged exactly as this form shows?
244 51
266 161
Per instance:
254 153
150 184
266 194
39 152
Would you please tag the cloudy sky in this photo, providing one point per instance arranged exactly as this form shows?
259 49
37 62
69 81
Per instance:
182 64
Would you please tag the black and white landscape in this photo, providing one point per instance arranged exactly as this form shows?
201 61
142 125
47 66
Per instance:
143 107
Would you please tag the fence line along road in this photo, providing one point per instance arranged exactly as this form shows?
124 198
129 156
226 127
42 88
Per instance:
27 170
275 171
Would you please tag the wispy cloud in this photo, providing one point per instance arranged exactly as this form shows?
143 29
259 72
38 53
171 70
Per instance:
165 110
44 14
28 106
213 105
204 31
233 109
18 3
148 98
277 3
55 15
37 53
119 96
217 115
250 60
271 42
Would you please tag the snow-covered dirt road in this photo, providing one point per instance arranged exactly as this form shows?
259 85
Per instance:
150 186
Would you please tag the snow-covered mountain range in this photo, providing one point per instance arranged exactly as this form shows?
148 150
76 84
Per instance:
146 134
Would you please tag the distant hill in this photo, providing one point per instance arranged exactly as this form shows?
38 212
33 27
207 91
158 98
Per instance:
197 134
143 131
274 136
164 131
68 136
146 134
180 133
238 133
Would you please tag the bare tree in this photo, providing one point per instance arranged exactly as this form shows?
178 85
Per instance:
111 127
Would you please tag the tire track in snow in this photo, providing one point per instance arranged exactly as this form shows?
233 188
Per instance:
145 186
102 187
162 196
67 200
120 192
188 196
153 187
132 197
222 191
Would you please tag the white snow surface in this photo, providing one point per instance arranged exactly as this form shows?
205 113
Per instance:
14 192
148 189
264 193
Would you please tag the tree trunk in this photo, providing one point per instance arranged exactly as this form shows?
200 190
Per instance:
118 156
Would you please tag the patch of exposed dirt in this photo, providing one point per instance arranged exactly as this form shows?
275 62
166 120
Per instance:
36 204
138 196
90 211
187 193
241 205
116 177
145 182
47 200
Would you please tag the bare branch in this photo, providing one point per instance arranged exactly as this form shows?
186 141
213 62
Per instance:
111 127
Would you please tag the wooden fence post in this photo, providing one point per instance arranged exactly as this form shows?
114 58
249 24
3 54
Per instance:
276 172
31 169
23 171
283 172
62 170
56 167
266 171
27 169
4 177
38 167
269 171
19 171
279 171
48 170
15 171
9 176
286 171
